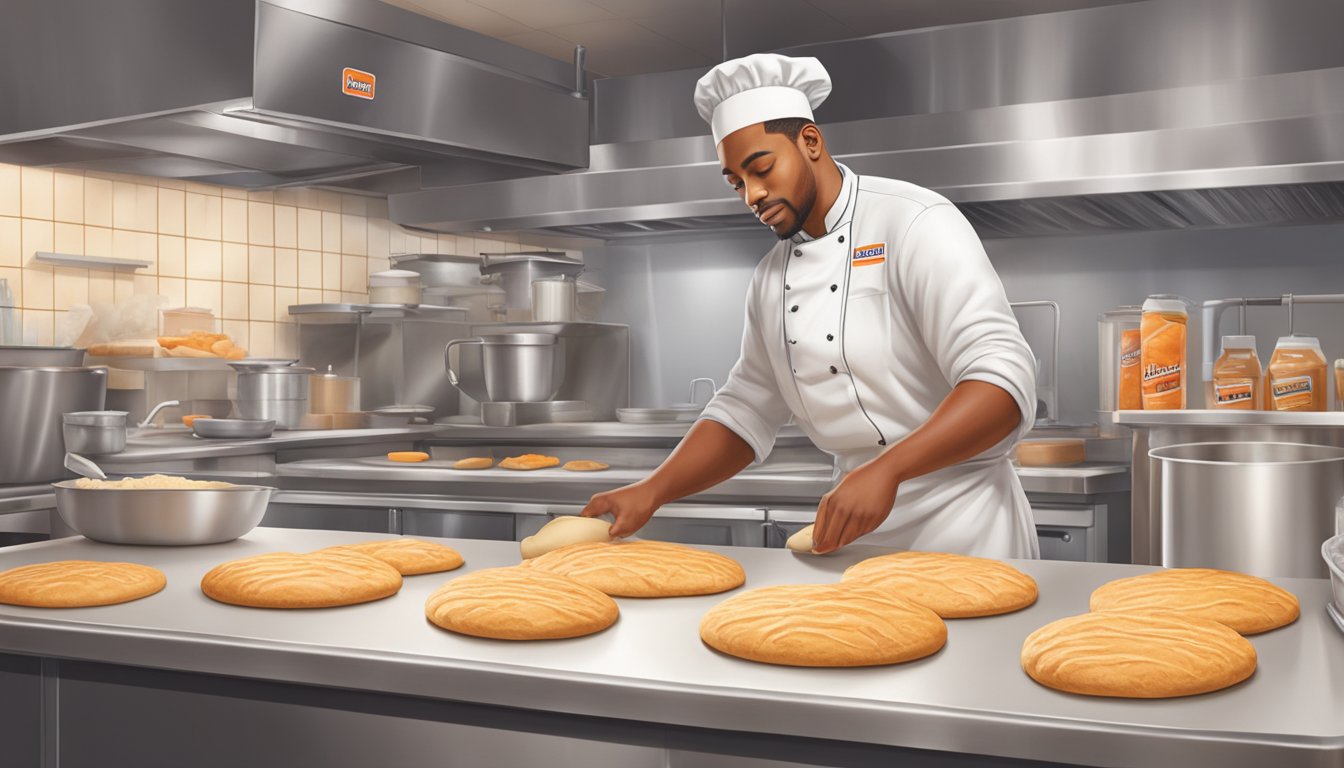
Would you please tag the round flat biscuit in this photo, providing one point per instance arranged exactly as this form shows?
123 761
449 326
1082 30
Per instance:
1137 655
954 586
1248 604
585 465
78 584
529 461
643 568
520 604
287 580
411 557
477 462
823 625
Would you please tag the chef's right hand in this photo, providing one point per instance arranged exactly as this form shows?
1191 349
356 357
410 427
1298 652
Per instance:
631 507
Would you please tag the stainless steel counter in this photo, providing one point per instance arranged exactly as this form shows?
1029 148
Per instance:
149 446
651 667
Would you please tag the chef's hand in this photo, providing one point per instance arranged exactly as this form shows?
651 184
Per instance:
631 507
854 507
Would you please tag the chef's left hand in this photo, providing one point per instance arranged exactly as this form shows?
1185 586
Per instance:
854 507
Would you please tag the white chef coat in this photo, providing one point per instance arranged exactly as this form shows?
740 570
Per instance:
860 334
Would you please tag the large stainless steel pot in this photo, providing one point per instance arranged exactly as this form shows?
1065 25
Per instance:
279 393
518 367
32 401
1261 508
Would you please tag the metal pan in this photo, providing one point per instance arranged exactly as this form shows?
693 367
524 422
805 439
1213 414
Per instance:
233 429
161 516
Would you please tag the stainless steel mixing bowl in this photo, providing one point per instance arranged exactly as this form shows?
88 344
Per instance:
161 516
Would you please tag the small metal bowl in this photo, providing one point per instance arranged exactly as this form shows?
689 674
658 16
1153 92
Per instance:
94 432
234 429
161 516
1333 553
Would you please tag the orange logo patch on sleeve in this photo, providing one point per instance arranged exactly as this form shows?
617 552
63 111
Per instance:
869 254
357 83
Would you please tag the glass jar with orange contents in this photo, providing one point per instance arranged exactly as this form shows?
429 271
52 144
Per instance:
1162 352
1296 380
1237 378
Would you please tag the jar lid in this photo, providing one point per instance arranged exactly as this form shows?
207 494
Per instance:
1167 302
394 277
1239 342
1299 342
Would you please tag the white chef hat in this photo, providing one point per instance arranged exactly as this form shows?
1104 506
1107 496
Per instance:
760 87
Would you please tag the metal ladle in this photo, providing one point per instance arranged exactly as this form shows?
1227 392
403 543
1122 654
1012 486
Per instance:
83 467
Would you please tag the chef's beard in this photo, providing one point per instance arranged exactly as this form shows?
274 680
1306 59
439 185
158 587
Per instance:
799 216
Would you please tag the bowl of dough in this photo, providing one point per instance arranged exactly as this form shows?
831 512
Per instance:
160 510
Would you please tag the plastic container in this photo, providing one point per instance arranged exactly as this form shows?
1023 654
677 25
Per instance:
1238 381
184 320
1296 378
1163 352
395 286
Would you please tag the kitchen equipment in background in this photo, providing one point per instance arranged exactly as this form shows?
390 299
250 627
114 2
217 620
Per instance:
279 393
233 429
1332 552
9 316
395 286
1118 365
648 415
329 393
1261 508
1238 381
515 273
183 320
518 367
690 410
94 432
398 415
1047 377
37 356
161 516
1295 378
32 402
149 419
260 363
1339 385
1162 353
555 299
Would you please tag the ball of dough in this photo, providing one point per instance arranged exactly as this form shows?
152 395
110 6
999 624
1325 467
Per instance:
563 531
801 541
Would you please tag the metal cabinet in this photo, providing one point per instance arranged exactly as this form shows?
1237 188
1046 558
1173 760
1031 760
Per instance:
418 515
696 524
780 524
1071 531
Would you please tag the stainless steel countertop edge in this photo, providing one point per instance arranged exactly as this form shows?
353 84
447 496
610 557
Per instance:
923 727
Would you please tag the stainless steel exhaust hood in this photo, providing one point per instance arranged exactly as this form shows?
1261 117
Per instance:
1147 115
269 93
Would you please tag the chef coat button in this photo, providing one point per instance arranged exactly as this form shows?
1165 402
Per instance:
833 287
795 370
829 337
834 369
842 238
793 341
882 442
787 287
794 308
798 253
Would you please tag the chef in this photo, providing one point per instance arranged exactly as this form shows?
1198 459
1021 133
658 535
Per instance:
876 323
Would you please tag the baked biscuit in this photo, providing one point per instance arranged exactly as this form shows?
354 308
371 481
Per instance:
78 584
1137 655
287 580
562 532
954 586
529 461
585 465
643 568
411 557
520 604
823 625
476 462
1248 604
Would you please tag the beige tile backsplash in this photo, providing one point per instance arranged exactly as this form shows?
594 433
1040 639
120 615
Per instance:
246 255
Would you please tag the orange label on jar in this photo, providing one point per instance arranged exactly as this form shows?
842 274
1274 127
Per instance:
1234 393
1292 394
1131 388
1162 355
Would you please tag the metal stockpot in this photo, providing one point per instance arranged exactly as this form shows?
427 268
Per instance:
518 367
1260 508
278 394
32 401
